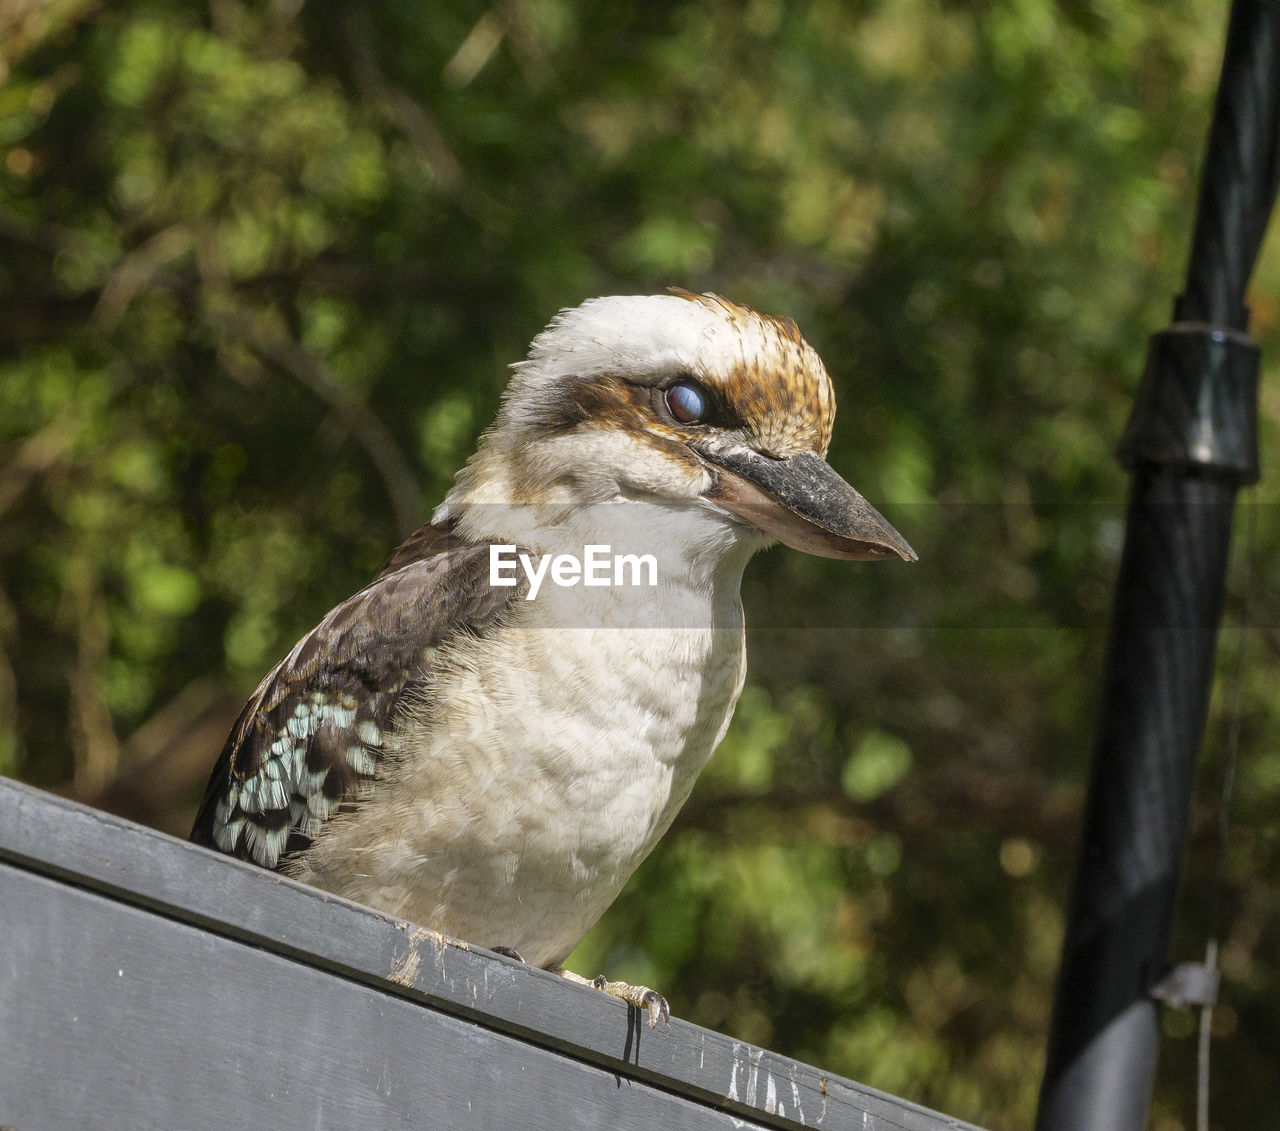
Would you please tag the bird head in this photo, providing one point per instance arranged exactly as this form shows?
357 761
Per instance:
684 400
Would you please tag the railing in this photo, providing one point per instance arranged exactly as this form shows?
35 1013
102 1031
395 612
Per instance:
146 982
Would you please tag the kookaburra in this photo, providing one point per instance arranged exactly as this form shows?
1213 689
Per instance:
491 735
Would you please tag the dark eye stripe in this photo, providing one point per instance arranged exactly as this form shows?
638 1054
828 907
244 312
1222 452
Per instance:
687 402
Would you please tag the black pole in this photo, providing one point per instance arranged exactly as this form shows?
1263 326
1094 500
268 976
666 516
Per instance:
1190 444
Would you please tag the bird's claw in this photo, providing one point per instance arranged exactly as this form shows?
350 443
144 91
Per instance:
652 1002
639 996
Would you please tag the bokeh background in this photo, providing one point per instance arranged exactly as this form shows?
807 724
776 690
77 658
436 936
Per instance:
262 267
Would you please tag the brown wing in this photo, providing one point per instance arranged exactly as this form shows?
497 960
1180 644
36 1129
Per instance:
317 725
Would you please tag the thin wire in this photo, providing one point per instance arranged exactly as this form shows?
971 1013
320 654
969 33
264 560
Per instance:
1206 1032
1231 759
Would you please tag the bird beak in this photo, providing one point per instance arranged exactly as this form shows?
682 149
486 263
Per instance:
801 501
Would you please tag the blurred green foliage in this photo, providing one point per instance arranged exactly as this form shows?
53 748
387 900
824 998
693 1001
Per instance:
262 267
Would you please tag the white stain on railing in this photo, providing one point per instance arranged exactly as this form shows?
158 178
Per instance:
749 1061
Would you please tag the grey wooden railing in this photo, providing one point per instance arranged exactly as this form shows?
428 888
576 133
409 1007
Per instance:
145 982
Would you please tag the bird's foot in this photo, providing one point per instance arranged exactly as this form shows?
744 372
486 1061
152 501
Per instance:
507 952
641 997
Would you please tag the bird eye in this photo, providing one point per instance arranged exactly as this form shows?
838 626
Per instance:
687 402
